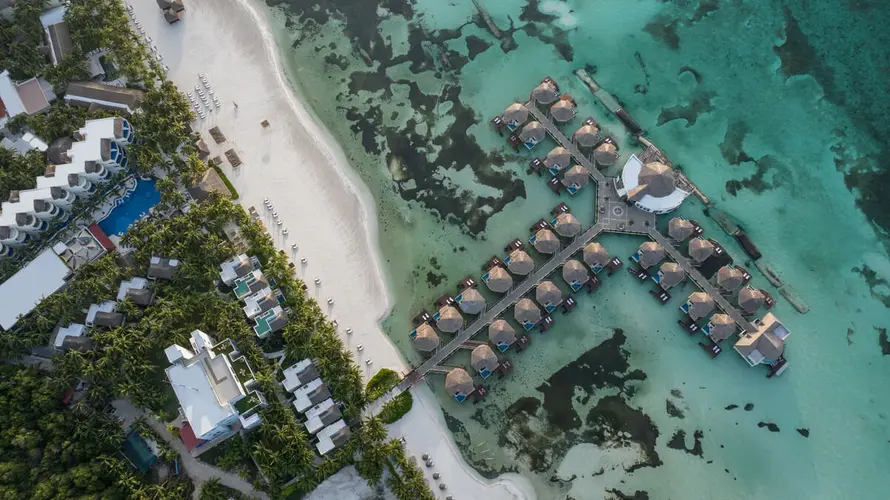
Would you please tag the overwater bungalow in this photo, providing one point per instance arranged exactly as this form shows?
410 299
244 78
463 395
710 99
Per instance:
566 225
498 279
680 229
519 262
563 110
557 159
576 178
587 136
699 305
425 338
470 301
701 249
729 278
545 93
501 335
484 361
766 345
670 275
545 241
532 134
649 254
575 274
606 154
515 115
527 313
720 327
595 256
751 299
548 295
459 384
448 319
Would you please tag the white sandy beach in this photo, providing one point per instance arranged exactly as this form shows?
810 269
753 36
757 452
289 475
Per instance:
327 211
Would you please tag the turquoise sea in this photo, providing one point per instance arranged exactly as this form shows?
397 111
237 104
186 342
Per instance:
778 111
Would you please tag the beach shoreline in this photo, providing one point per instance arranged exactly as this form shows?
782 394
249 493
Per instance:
329 213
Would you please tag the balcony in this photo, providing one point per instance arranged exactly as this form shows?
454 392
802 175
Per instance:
29 223
11 236
5 251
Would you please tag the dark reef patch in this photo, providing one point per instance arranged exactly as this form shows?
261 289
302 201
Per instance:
699 103
678 442
673 410
705 8
531 12
731 407
804 432
749 406
692 71
612 413
476 46
757 182
883 341
731 147
800 57
769 425
637 495
875 283
664 29
522 431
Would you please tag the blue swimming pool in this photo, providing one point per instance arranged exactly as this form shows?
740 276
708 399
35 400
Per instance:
131 208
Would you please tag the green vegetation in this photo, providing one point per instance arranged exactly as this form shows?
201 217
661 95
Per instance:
397 408
214 490
406 480
225 180
18 171
382 381
233 455
20 40
167 453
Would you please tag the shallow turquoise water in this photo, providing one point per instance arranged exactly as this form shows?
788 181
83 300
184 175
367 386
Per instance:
782 135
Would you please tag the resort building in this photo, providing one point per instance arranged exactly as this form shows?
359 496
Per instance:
545 241
729 278
575 274
557 159
526 313
501 335
424 338
515 115
101 310
259 302
670 275
595 256
606 154
98 95
234 268
566 225
299 374
470 301
545 93
57 34
701 249
322 415
332 437
21 292
649 254
519 262
311 394
484 361
698 306
162 268
587 136
575 178
215 387
459 384
720 327
74 330
680 229
135 289
23 144
270 322
651 187
548 295
29 97
563 110
498 279
766 345
249 284
532 133
448 319
751 299
107 319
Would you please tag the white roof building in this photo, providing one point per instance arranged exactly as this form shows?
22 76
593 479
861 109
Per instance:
21 293
299 374
136 283
310 394
332 437
107 307
72 330
321 415
651 187
766 345
235 268
259 302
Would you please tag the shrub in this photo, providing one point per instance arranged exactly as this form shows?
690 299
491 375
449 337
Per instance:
396 408
381 382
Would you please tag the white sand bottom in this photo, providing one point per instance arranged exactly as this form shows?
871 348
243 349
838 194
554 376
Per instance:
328 213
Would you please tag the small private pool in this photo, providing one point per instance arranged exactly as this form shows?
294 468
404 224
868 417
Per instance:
131 208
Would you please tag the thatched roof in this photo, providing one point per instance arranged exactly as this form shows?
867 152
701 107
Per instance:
671 274
730 278
700 305
472 302
567 225
501 333
605 154
426 339
595 254
210 182
525 311
546 241
449 320
458 381
545 93
722 327
499 280
700 249
515 113
533 131
171 16
574 272
576 176
483 358
586 136
680 229
656 179
563 110
651 253
548 294
520 263
558 156
751 299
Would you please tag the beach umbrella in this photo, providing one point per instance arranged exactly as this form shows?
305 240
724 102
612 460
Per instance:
545 93
651 253
471 301
680 229
533 132
515 114
655 179
449 320
520 263
670 274
563 110
700 249
721 327
426 338
458 381
751 299
501 334
483 358
499 280
595 255
700 305
586 136
574 272
730 278
548 294
605 154
558 157
525 311
576 176
567 225
546 241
